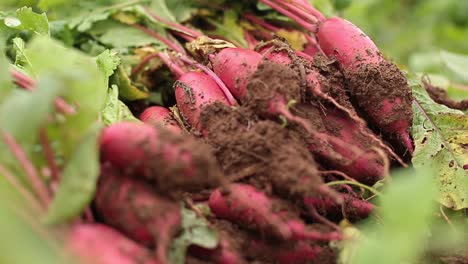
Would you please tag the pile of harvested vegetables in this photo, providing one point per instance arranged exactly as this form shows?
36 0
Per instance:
154 132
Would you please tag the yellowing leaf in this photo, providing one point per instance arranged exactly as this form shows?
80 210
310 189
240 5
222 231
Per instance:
296 39
127 90
441 139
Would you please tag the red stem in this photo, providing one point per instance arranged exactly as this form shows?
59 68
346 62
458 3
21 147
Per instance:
49 155
313 41
291 15
20 188
143 62
157 36
251 41
37 184
312 10
227 93
173 67
261 22
300 12
29 84
183 29
184 36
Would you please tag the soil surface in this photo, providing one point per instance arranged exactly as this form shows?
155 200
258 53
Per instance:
440 96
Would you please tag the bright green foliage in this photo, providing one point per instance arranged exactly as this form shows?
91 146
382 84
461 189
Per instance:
78 183
457 63
405 215
441 138
115 110
195 231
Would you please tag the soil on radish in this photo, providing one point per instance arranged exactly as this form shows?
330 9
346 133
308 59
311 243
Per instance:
204 166
374 84
268 82
440 96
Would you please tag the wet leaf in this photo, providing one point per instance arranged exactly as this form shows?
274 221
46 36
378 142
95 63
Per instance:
31 21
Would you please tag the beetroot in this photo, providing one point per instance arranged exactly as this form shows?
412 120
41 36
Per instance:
132 206
100 244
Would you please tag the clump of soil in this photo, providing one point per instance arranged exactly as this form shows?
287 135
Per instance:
371 85
440 96
272 81
192 168
260 149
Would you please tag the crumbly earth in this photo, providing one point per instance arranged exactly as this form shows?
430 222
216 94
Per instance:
370 85
195 170
440 96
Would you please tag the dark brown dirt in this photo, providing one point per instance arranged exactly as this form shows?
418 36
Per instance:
440 96
262 150
271 81
371 84
191 166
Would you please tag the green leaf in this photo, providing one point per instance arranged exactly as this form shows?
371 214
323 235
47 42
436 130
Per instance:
19 227
31 21
406 210
195 231
107 62
230 28
78 182
441 137
160 8
127 90
457 63
5 77
85 86
115 110
24 112
133 37
21 61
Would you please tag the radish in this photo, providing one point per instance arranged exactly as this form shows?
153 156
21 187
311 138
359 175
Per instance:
388 103
234 66
223 254
100 244
132 206
353 208
194 90
158 115
267 217
171 161
285 253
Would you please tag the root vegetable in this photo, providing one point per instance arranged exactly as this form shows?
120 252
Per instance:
247 206
158 115
353 208
194 90
133 207
100 244
169 160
